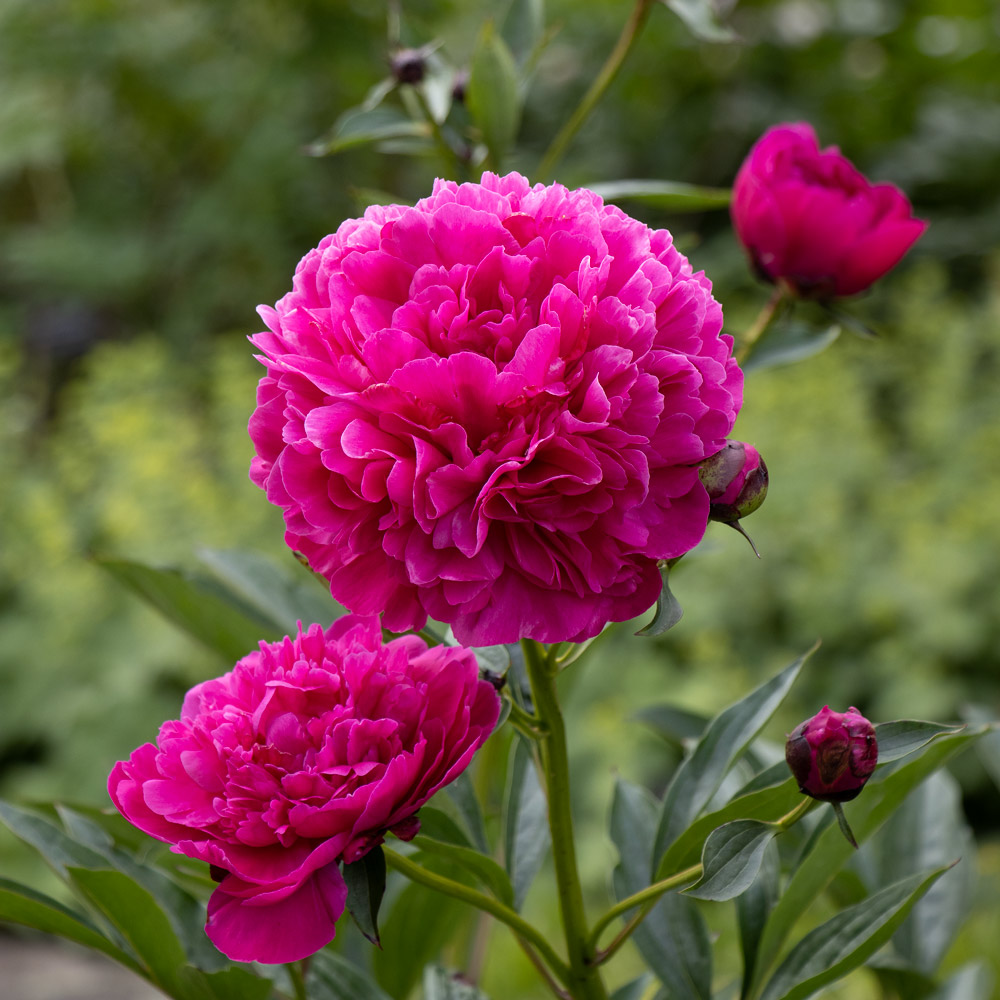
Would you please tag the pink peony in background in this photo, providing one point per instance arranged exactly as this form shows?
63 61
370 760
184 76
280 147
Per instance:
304 754
489 408
809 218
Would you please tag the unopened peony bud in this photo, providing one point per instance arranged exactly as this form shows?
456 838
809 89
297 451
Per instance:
409 65
832 754
736 480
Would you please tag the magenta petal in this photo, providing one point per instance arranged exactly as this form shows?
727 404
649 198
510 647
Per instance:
247 929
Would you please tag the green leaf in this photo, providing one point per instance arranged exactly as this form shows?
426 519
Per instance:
767 804
524 28
904 736
493 94
483 868
525 822
753 908
333 977
671 196
668 610
676 725
365 880
20 904
673 938
723 741
59 850
928 831
200 606
283 596
463 795
440 984
971 982
439 825
142 923
883 794
360 127
635 990
788 341
842 943
731 859
699 16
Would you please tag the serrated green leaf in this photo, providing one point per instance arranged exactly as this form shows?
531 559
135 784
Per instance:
671 196
883 794
724 740
283 596
699 16
673 938
904 736
493 93
483 868
842 943
731 859
20 904
463 796
360 127
200 606
668 609
440 984
365 879
788 341
525 822
333 977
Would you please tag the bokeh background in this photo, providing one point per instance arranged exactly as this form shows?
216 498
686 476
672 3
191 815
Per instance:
154 187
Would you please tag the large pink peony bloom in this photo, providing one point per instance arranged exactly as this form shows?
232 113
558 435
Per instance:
489 409
304 754
808 217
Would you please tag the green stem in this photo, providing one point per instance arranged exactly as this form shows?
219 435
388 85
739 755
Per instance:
602 81
503 913
760 324
445 148
585 980
524 722
296 972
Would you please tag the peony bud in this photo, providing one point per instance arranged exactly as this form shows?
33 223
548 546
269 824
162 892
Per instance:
832 754
811 221
409 65
736 480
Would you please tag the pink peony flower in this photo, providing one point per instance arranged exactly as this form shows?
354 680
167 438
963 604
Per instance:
304 754
489 409
833 754
809 218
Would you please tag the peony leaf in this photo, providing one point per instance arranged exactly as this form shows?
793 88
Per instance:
724 740
787 341
333 977
673 938
671 196
365 880
481 867
971 982
668 609
361 127
463 796
201 607
676 725
493 93
525 822
842 943
21 905
753 908
523 28
284 595
440 984
443 826
829 851
900 738
634 990
731 859
699 16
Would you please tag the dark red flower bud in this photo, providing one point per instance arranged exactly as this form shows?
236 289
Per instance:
832 754
409 65
736 480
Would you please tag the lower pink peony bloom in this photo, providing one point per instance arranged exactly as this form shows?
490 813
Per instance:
304 755
808 217
489 408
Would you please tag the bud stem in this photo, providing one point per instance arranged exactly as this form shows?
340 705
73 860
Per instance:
838 811
760 324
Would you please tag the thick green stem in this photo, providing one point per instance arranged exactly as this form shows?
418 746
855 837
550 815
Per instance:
449 887
601 83
760 324
585 980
